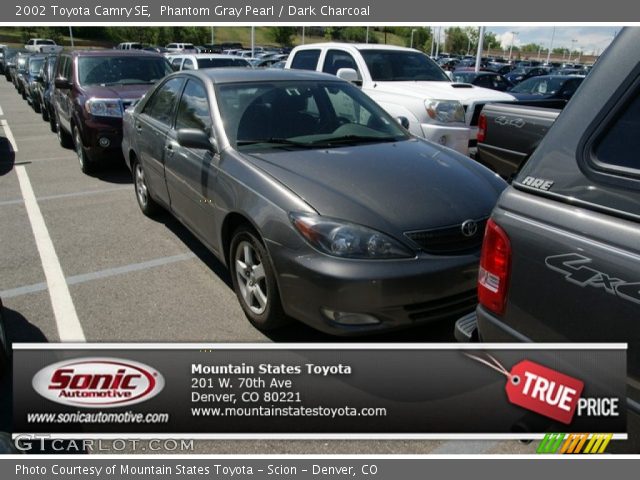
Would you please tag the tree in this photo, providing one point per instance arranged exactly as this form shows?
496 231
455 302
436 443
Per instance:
282 35
456 40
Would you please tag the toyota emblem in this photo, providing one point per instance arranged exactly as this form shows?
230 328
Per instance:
469 228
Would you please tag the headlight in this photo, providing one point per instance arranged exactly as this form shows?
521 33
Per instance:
347 240
104 107
445 111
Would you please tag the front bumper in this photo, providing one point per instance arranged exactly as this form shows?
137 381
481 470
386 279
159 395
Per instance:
97 130
456 138
398 293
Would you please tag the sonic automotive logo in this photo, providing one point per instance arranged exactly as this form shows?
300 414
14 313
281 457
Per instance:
98 382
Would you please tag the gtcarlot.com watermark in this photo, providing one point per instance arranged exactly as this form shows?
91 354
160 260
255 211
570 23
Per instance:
44 442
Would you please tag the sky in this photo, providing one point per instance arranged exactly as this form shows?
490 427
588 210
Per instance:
589 39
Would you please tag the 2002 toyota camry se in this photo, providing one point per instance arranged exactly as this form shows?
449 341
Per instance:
322 206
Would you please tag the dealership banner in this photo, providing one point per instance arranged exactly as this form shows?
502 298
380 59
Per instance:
319 391
72 12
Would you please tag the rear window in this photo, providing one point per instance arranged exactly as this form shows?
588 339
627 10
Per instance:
305 60
618 146
45 42
222 62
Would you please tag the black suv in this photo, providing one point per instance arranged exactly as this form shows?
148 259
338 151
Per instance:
92 90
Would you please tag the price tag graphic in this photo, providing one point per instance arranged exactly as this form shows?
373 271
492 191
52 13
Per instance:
538 388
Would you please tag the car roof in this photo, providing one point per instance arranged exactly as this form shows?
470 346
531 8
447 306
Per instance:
239 75
204 55
359 46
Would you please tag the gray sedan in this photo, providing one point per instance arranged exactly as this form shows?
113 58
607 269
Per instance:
321 205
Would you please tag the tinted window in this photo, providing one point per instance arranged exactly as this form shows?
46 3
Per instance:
188 64
620 143
306 60
335 60
397 65
193 111
162 104
175 63
121 70
222 62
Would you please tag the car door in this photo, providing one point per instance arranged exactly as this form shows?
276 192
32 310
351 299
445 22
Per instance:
62 96
190 172
151 127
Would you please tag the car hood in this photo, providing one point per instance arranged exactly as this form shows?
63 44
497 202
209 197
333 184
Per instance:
464 93
393 187
124 92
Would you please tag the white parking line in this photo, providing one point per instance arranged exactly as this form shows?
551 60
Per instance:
69 328
9 135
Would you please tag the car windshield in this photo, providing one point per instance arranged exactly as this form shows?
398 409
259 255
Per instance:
463 77
121 70
35 64
398 66
302 114
539 86
519 71
221 62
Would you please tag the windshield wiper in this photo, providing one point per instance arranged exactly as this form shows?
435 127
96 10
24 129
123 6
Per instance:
272 140
347 139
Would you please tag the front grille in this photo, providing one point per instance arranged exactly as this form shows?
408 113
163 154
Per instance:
453 306
448 240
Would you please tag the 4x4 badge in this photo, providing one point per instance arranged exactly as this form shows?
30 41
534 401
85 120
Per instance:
573 266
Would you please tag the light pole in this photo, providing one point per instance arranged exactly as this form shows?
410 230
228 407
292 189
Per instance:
71 35
367 40
303 35
438 42
513 37
213 37
480 45
413 30
553 34
539 51
573 42
253 41
433 38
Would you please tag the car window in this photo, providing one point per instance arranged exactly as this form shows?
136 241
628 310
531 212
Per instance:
617 147
175 63
305 60
484 81
121 70
193 111
162 104
188 64
334 60
222 62
400 65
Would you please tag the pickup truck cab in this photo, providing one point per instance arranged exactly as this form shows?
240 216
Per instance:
560 260
42 45
407 84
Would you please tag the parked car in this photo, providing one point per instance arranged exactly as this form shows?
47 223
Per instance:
31 79
561 253
42 45
129 46
181 47
197 61
20 73
261 166
519 74
9 62
547 87
490 80
92 89
44 87
406 83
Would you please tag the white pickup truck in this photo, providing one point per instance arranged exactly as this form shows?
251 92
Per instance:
42 45
407 84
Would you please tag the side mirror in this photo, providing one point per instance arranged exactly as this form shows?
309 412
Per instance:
404 121
194 138
62 83
348 74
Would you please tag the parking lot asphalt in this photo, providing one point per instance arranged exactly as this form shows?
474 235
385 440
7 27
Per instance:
100 271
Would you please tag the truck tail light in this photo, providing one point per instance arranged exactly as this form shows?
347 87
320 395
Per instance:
482 127
495 264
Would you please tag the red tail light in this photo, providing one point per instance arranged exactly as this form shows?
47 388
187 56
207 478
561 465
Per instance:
495 264
482 128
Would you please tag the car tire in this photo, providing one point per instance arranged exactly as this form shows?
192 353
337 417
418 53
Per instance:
36 106
53 126
44 112
86 164
65 140
147 204
254 281
24 94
